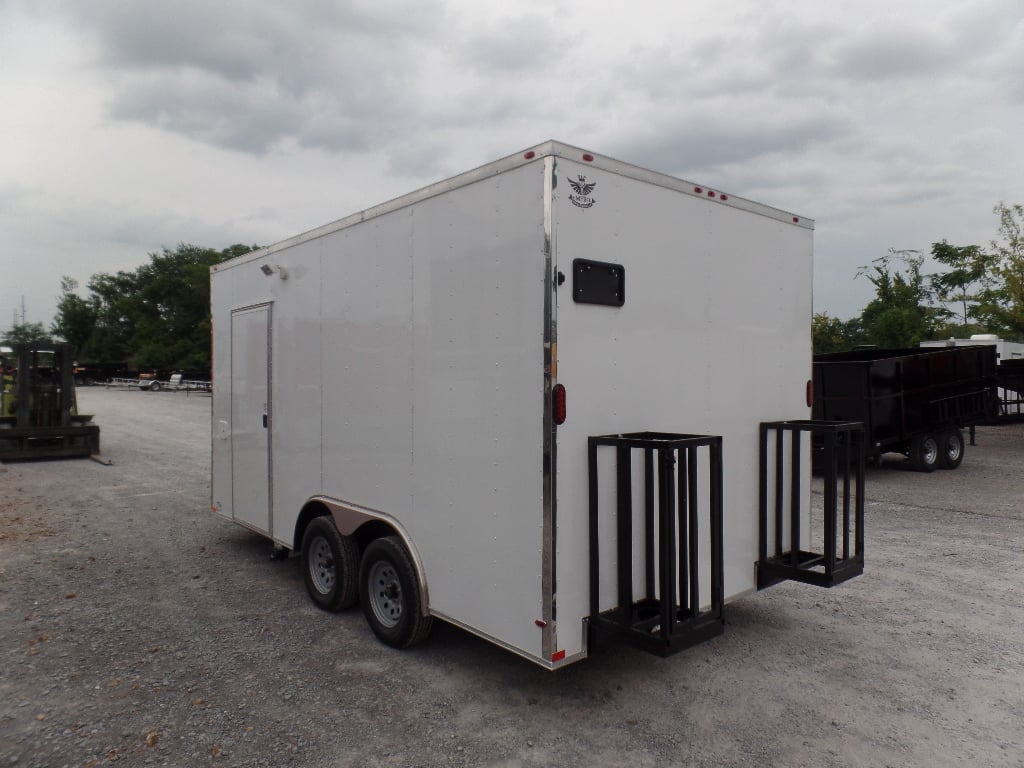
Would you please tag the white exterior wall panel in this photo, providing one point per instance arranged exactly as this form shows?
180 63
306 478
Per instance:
478 399
293 407
230 291
367 361
713 338
297 382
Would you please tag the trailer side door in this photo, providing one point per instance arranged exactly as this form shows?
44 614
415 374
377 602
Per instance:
250 416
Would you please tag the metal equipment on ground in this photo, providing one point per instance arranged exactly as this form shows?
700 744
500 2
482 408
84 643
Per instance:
39 416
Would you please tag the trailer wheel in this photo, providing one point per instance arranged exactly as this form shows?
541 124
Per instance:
390 594
924 453
154 387
951 445
330 563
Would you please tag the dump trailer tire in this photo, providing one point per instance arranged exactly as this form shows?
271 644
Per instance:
389 592
330 565
924 453
951 449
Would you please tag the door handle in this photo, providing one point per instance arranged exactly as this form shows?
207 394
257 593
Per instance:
264 421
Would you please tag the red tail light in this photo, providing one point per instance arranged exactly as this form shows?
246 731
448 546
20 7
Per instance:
558 403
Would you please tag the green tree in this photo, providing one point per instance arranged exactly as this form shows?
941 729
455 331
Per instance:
27 333
902 313
830 334
985 285
173 322
76 317
1002 309
116 311
157 316
969 281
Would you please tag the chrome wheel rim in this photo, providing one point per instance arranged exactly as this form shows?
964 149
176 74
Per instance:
952 448
385 593
929 452
321 565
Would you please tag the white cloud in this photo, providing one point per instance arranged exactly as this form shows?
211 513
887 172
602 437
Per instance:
128 127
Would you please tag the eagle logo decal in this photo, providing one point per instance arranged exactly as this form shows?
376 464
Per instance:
581 189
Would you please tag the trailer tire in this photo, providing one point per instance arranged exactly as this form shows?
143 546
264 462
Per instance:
924 453
389 592
154 387
951 449
330 565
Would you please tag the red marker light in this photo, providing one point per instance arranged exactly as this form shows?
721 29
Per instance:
558 655
558 404
530 155
724 197
698 190
711 193
796 219
588 158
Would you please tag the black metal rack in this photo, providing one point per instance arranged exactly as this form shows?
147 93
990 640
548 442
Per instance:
668 617
841 452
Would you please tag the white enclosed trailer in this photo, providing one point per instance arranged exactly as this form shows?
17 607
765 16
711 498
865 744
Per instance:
418 398
1005 350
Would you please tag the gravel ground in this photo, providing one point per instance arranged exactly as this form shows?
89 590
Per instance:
137 627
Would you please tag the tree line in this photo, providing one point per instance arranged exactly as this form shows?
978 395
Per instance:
156 316
980 290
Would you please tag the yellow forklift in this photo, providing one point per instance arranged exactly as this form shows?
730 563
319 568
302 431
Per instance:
39 416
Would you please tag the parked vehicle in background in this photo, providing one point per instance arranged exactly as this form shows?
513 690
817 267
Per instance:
175 382
1009 369
89 374
911 401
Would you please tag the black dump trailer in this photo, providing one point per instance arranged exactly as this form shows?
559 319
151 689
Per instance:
1010 379
911 401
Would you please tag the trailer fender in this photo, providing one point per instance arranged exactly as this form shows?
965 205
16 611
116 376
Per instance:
353 520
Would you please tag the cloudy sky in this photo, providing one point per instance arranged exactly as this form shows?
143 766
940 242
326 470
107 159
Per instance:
129 126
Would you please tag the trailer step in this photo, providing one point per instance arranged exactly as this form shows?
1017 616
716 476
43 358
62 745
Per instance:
668 616
840 455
